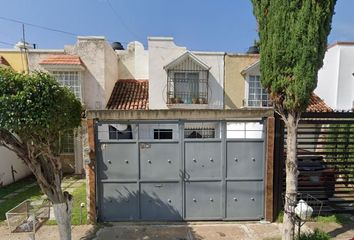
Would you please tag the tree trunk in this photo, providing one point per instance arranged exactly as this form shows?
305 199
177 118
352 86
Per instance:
291 178
62 212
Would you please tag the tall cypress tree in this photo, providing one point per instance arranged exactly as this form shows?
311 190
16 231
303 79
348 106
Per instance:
293 41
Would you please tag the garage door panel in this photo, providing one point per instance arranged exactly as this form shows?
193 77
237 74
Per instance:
245 160
159 161
203 159
244 200
120 161
161 201
120 201
203 200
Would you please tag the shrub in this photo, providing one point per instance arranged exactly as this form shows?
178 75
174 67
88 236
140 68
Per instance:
316 235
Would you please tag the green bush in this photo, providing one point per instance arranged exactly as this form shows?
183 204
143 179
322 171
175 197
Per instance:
316 235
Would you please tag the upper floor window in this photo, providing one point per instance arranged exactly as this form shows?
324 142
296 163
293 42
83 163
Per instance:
70 79
257 95
187 80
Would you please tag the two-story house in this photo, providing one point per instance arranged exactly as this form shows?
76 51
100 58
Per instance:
165 148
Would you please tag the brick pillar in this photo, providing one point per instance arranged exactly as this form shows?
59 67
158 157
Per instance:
269 197
89 157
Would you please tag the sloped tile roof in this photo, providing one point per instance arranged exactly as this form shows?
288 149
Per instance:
62 59
129 95
3 61
316 104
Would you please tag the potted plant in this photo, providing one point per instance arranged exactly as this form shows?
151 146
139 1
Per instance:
195 100
171 100
202 100
178 100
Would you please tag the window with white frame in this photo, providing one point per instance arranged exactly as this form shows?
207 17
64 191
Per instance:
70 79
66 142
244 130
257 95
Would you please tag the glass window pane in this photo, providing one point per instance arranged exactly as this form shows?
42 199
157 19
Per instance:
158 131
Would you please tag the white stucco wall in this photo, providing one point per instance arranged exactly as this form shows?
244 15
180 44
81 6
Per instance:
327 80
345 99
162 51
335 79
133 62
111 73
8 158
92 52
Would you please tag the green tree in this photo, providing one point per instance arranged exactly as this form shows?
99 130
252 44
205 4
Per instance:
34 111
293 40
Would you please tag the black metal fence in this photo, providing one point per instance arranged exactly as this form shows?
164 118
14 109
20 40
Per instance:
325 151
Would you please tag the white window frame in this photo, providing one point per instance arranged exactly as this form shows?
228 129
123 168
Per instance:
247 92
79 75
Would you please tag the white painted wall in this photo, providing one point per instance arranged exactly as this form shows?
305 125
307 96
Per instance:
111 73
345 98
133 62
327 79
335 79
8 158
162 51
92 52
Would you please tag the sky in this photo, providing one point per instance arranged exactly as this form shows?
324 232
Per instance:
207 25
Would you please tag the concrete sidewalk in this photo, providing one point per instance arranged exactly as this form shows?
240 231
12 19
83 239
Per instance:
192 231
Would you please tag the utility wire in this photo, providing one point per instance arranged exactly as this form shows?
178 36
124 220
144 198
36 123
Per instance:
6 43
38 26
70 33
45 28
122 21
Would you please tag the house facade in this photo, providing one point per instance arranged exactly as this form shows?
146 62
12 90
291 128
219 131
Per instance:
166 149
89 68
11 167
335 79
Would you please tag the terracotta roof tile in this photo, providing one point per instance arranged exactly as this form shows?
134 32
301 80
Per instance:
130 95
62 59
316 104
3 61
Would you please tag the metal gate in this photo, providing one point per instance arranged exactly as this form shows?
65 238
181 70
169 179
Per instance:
180 170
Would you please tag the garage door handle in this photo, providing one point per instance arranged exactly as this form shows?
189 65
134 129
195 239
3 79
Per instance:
252 199
109 161
158 185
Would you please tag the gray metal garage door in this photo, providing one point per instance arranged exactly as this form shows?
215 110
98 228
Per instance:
180 170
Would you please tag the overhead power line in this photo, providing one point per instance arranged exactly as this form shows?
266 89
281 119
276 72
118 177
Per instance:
6 43
122 21
71 33
38 26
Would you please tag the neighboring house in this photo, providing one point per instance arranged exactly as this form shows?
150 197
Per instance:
89 68
336 77
11 167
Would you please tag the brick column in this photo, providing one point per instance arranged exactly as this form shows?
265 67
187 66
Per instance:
89 157
269 197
